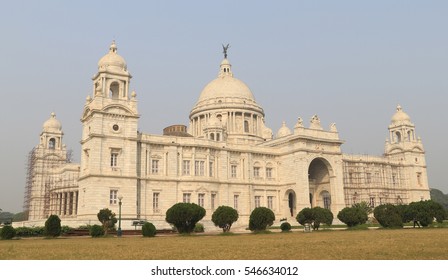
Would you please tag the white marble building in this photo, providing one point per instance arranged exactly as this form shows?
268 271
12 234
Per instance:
226 156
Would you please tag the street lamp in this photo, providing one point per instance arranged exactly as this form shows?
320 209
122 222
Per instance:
119 233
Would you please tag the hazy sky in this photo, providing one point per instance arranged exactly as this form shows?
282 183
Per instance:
350 62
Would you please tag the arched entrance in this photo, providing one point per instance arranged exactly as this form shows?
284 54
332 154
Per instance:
319 173
291 199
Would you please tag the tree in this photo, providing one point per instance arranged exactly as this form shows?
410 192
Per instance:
7 232
21 216
364 206
315 216
53 226
224 217
261 218
388 216
424 212
107 219
184 216
353 216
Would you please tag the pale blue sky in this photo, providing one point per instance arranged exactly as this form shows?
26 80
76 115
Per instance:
350 62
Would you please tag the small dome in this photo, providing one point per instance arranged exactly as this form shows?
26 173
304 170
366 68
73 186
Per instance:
400 116
283 131
112 59
52 124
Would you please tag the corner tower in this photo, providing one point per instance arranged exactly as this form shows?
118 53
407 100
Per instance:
109 138
405 147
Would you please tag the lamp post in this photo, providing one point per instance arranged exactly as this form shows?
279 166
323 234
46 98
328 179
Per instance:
119 233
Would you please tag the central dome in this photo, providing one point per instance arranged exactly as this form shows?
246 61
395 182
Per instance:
226 92
226 87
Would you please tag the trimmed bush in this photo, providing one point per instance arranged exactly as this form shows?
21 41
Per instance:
53 226
184 216
261 218
388 216
30 231
424 212
8 232
315 216
285 227
352 216
107 219
199 227
96 231
148 230
224 217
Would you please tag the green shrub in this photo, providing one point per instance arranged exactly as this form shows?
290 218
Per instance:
315 216
30 231
285 227
352 216
224 217
96 231
53 226
8 232
388 216
199 228
184 216
424 212
148 230
261 218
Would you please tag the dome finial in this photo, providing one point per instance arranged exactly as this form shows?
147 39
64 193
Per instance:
113 47
399 107
225 48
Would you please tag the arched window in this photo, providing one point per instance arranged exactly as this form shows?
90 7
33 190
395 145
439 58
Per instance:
52 143
218 137
398 136
113 90
326 199
212 136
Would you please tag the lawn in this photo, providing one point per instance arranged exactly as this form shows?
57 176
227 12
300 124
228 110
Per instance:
403 244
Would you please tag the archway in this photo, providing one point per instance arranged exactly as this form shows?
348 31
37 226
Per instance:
319 173
291 202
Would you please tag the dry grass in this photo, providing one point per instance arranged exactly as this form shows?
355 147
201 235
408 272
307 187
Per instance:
405 244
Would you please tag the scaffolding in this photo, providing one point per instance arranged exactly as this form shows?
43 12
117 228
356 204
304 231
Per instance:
42 169
374 180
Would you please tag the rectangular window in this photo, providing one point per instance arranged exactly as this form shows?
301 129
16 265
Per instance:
210 169
271 202
394 179
235 201
256 172
114 159
257 201
186 167
113 197
199 168
212 201
233 171
201 199
368 178
350 178
155 166
155 202
187 197
268 172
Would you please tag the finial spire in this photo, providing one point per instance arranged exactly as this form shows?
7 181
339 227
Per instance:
113 47
225 48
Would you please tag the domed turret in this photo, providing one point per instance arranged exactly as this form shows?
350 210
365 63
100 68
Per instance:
52 124
112 60
283 131
400 117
